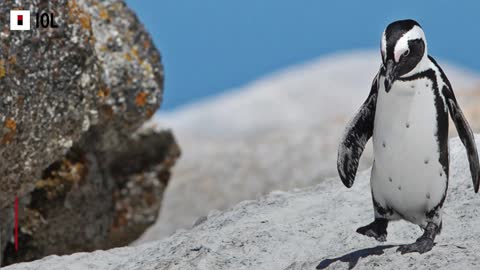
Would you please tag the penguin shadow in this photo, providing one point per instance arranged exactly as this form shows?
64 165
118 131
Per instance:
352 258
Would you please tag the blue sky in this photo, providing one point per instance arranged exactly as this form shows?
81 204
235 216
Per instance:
209 46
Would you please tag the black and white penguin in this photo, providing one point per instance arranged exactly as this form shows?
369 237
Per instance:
407 112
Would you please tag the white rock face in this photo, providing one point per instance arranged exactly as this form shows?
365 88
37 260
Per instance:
302 229
280 132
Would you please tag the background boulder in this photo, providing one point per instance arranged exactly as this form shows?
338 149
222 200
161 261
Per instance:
278 133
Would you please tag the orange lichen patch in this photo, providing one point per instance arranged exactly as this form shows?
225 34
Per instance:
77 14
141 99
2 68
85 22
134 52
12 126
8 137
128 57
59 181
73 172
103 92
103 13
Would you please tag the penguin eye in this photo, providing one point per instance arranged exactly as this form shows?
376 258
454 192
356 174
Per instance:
406 53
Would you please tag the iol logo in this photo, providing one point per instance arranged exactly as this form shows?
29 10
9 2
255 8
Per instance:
20 20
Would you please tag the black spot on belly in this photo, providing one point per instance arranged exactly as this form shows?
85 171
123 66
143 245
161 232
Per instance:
384 145
425 161
412 86
399 187
407 125
426 85
428 195
390 179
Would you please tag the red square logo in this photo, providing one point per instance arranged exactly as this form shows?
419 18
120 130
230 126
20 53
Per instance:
20 19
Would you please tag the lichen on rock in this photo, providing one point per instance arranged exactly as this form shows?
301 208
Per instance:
79 205
47 89
71 99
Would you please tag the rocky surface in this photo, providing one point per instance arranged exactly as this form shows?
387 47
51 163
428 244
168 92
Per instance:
302 229
98 68
280 132
71 98
75 207
48 85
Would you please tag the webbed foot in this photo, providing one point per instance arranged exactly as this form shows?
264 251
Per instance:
425 243
377 229
421 246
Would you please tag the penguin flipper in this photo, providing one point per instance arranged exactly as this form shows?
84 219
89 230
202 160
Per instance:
356 136
466 135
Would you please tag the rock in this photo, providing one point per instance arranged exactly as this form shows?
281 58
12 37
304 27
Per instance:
48 86
133 74
99 69
71 99
280 132
80 206
302 229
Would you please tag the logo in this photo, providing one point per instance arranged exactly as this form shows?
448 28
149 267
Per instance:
19 19
45 20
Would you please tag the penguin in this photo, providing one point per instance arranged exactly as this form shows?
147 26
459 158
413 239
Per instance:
406 113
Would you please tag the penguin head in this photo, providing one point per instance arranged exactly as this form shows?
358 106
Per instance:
403 47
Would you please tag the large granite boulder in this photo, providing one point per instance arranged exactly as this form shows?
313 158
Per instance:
71 99
98 72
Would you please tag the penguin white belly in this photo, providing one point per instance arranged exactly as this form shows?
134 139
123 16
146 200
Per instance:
407 175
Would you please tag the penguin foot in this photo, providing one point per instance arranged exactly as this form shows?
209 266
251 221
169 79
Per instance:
377 229
421 246
425 242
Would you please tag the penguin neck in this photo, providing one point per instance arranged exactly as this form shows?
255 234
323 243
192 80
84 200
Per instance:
422 65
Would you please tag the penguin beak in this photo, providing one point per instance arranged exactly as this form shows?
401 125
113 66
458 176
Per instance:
390 75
